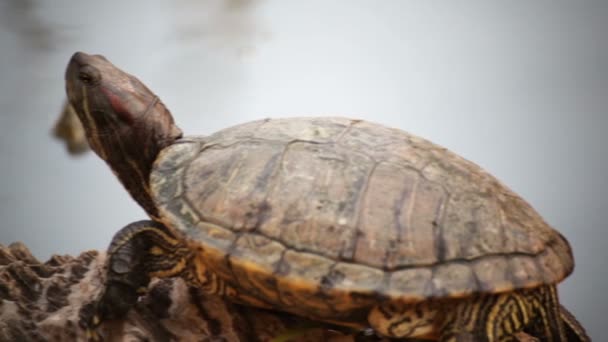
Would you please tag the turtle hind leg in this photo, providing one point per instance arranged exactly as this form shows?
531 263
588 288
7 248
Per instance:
574 330
398 319
553 322
138 252
485 318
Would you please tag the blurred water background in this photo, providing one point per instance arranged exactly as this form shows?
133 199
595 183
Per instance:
521 88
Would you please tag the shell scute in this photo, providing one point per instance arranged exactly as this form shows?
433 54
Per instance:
412 285
453 279
492 274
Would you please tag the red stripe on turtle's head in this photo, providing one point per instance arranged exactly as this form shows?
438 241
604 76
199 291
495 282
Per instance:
119 107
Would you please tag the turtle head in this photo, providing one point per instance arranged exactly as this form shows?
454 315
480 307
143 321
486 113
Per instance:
125 123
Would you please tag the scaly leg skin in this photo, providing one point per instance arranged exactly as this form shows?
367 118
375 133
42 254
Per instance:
398 320
546 323
574 330
138 252
486 318
497 318
552 321
480 318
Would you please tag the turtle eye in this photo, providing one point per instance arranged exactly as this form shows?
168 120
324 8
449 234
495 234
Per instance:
85 78
89 75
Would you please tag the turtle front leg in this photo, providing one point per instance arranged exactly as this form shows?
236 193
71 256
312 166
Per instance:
139 252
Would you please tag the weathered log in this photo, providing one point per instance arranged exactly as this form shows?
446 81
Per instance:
46 301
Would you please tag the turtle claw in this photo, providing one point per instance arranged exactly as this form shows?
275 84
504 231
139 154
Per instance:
93 336
90 320
142 291
113 303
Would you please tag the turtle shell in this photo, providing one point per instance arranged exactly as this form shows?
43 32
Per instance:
333 214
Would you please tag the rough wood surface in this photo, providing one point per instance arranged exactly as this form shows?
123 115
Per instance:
44 302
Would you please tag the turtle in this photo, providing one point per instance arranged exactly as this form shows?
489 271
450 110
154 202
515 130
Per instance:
338 220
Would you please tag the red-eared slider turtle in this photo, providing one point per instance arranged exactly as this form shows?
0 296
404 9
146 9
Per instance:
343 221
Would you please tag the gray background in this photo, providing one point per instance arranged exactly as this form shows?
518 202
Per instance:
521 88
